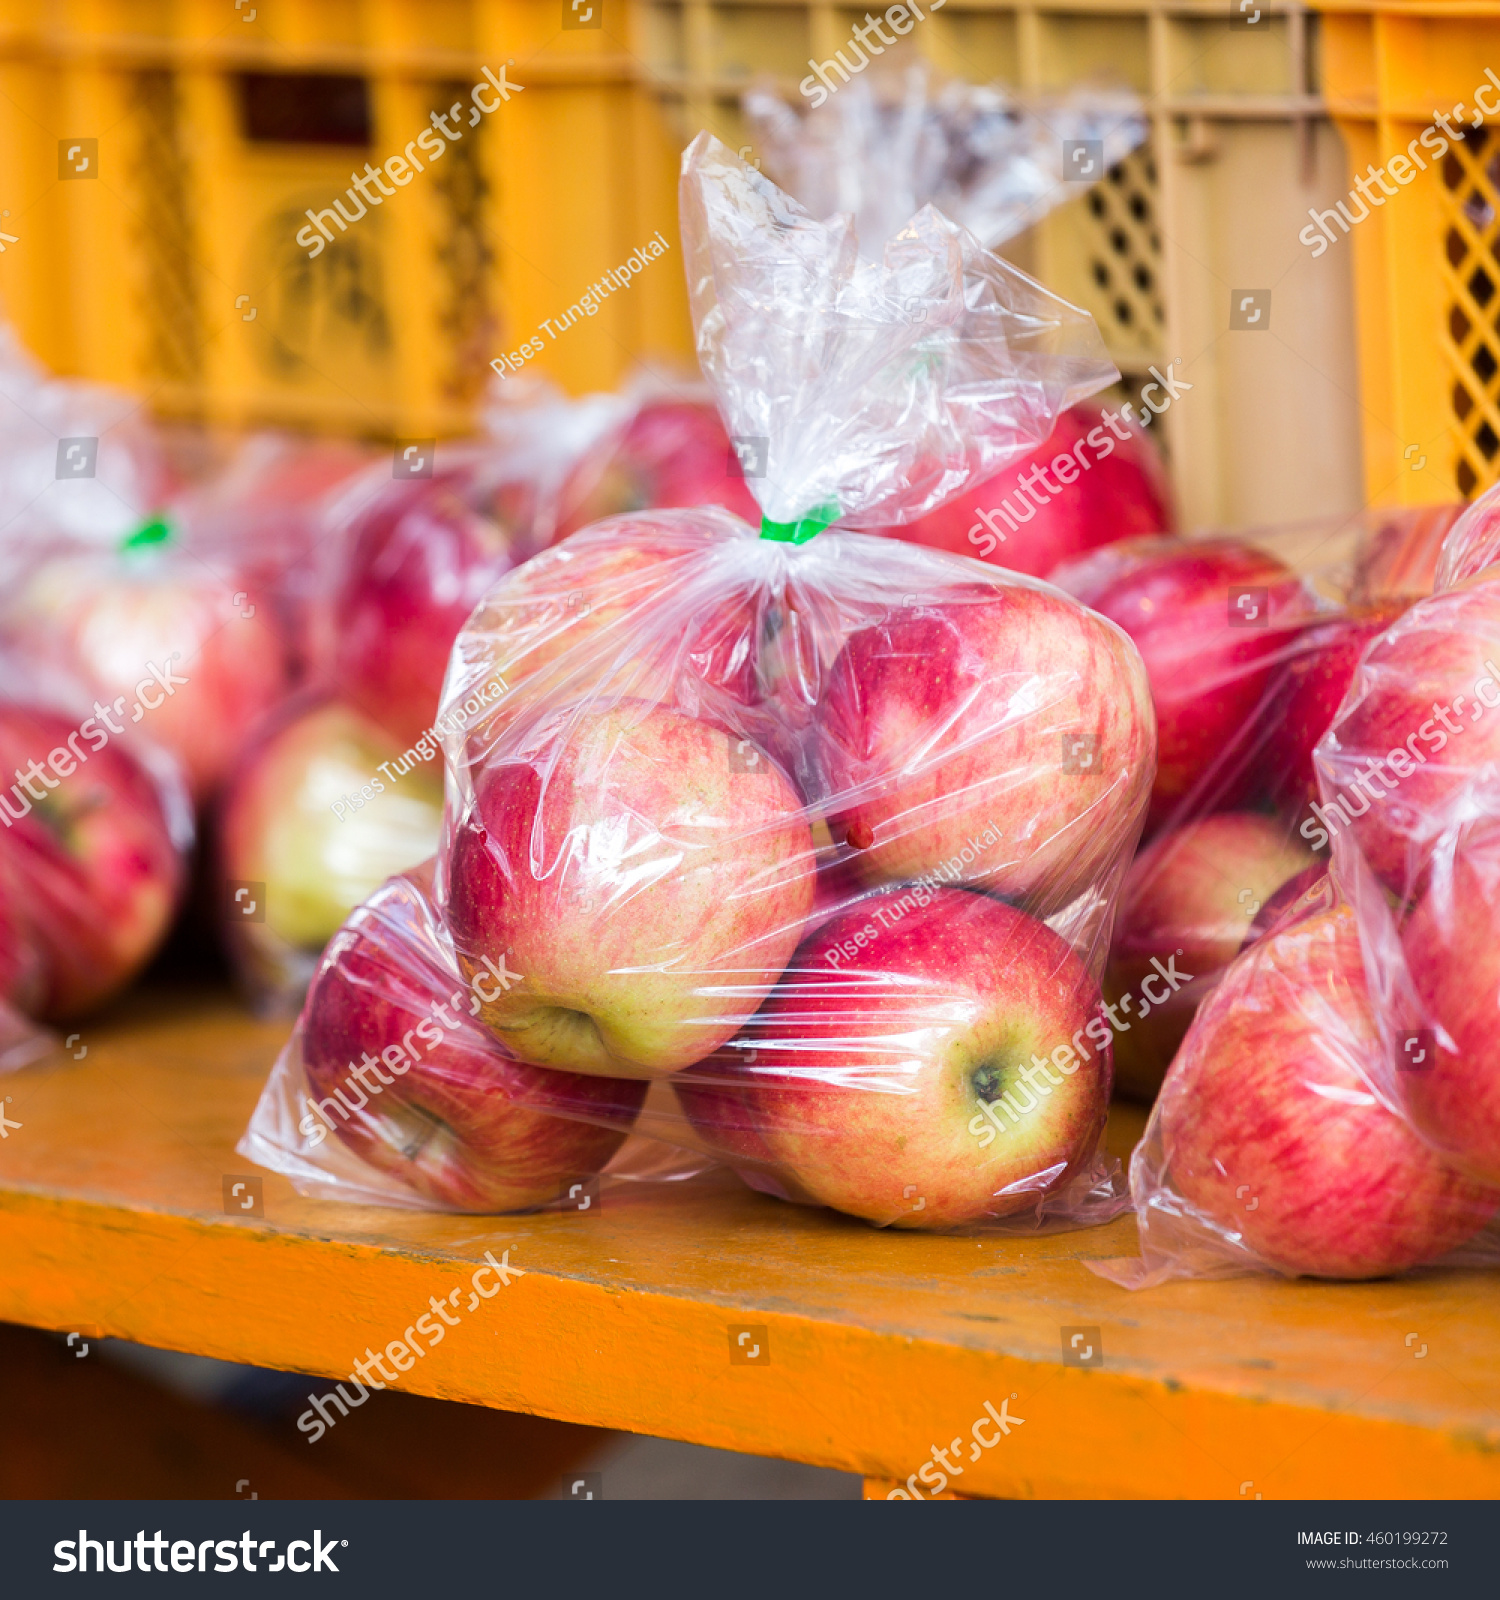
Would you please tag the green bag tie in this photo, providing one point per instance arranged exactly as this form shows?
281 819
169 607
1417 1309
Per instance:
153 532
803 529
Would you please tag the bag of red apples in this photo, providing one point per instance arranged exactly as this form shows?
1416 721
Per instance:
341 787
792 848
1250 642
1334 1107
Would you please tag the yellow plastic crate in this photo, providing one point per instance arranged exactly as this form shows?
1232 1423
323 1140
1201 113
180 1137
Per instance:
1241 146
168 260
1426 259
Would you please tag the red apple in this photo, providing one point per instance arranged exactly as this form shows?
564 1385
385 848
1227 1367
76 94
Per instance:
193 658
21 975
1213 619
645 873
319 815
1452 947
670 453
95 843
903 1069
1418 724
399 1070
417 561
1268 1127
1122 493
1003 739
1185 909
1317 678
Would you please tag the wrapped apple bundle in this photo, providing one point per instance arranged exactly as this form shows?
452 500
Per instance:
1270 1149
390 1092
820 830
169 635
1410 777
1248 658
95 830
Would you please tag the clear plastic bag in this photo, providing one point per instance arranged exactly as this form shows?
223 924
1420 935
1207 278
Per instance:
888 144
1410 777
1269 1149
79 462
823 832
1473 542
880 389
391 1093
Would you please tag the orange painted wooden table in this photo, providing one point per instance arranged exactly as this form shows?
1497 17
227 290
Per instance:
878 1347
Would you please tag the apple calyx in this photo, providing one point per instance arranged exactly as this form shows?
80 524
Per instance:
989 1082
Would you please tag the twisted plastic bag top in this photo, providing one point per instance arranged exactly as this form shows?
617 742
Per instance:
78 461
1473 542
881 149
868 391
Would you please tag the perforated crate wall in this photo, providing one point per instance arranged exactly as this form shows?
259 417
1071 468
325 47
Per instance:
173 267
1427 259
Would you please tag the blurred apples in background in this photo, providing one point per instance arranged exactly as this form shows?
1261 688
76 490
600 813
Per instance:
415 563
1317 678
262 516
153 631
670 453
322 810
94 843
1398 554
1188 903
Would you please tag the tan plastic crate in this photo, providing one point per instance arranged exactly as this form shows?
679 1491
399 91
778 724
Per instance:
1240 147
